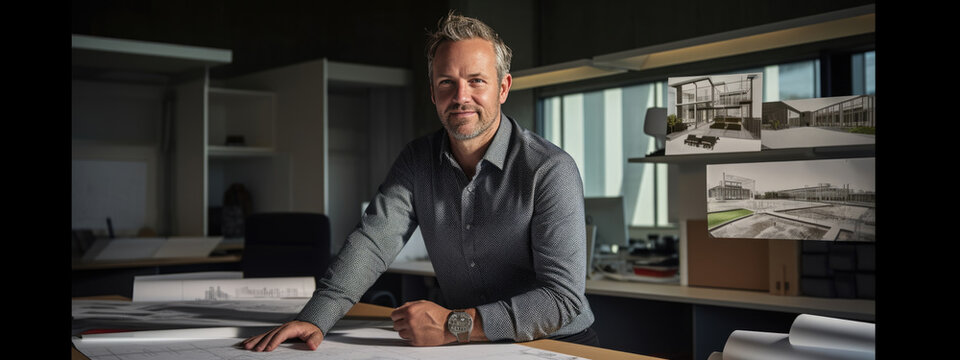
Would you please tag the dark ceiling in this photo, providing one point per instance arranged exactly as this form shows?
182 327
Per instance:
267 34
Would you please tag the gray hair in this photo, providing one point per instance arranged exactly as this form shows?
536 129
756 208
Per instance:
457 27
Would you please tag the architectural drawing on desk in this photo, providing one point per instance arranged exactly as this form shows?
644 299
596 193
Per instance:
223 289
246 292
831 121
715 113
833 200
357 344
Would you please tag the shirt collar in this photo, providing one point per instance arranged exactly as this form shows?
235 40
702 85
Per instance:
497 151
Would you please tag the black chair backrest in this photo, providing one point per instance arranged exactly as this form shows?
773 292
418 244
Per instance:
284 244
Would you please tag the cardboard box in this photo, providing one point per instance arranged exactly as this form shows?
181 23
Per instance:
726 263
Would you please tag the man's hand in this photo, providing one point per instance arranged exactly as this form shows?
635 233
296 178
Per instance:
423 323
268 341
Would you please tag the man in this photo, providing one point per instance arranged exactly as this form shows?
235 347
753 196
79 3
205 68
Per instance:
500 210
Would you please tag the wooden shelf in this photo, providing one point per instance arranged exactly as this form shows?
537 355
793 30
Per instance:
765 155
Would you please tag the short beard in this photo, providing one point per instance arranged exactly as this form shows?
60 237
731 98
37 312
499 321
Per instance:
457 135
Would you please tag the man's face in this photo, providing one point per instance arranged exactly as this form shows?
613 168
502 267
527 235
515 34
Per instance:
465 89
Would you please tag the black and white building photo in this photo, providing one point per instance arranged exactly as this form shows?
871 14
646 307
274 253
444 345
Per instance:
831 200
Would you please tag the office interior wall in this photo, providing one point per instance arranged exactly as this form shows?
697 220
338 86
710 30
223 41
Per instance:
268 35
116 112
571 30
350 173
368 130
116 132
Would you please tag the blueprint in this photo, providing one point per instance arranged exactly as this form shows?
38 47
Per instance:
252 289
119 314
356 344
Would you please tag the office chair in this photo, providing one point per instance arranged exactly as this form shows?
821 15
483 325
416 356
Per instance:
284 244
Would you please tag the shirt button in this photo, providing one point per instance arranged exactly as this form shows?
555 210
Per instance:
468 226
473 264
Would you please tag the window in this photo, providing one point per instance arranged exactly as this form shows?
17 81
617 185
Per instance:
602 130
791 81
864 73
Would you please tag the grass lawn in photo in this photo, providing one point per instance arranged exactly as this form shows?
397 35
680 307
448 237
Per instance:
717 218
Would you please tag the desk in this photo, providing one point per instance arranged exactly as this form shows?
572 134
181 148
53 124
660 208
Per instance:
675 321
856 309
368 311
225 252
116 276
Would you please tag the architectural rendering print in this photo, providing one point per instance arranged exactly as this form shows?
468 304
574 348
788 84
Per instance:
716 113
833 121
831 200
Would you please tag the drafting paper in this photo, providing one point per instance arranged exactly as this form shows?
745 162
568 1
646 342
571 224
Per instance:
226 332
358 344
756 345
810 337
126 315
820 331
176 334
202 275
225 289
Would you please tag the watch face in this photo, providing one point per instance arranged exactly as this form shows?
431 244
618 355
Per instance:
459 322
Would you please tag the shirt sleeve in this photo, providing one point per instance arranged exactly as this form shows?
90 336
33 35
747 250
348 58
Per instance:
558 241
369 250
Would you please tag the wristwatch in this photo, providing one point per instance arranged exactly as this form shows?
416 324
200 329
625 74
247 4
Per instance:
460 324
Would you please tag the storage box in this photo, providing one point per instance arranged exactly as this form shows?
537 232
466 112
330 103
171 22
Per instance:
725 263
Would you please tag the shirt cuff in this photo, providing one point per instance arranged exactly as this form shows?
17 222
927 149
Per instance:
324 313
496 321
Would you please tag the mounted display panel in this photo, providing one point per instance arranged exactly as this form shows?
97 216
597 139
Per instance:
714 113
831 200
817 122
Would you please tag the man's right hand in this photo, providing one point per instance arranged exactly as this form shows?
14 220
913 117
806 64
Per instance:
268 341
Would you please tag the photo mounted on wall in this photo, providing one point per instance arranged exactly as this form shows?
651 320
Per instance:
831 121
714 113
831 200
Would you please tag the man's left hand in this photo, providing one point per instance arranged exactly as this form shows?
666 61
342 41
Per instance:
422 323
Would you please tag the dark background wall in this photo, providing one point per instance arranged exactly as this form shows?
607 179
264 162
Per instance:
267 34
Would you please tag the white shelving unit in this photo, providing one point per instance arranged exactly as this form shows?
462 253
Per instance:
251 159
318 136
246 113
145 102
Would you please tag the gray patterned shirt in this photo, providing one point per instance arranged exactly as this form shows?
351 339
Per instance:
510 242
